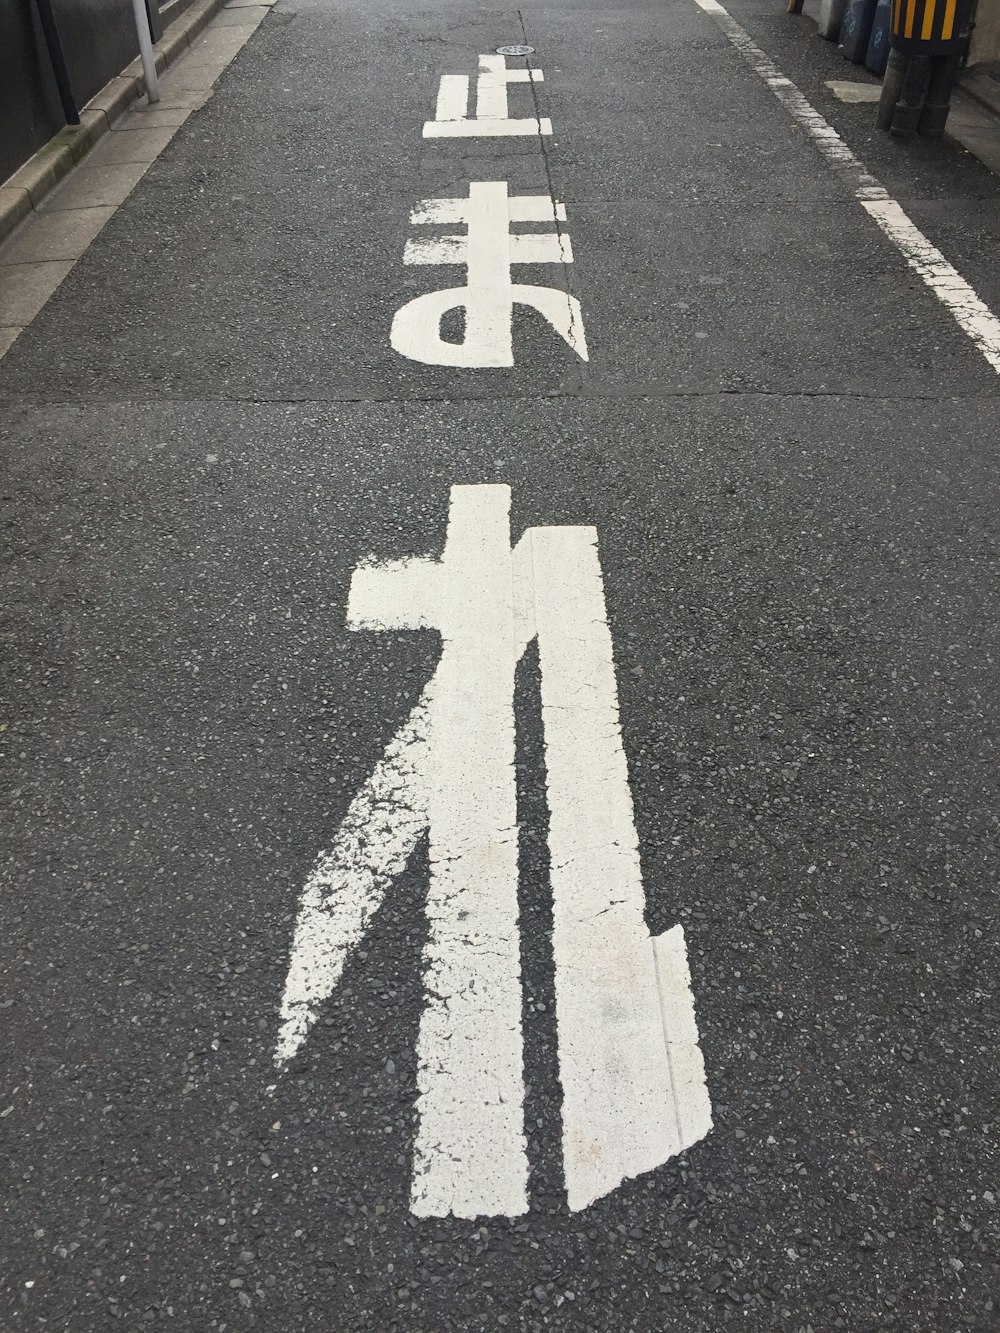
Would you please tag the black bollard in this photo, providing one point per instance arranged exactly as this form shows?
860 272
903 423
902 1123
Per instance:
930 35
892 86
938 103
906 117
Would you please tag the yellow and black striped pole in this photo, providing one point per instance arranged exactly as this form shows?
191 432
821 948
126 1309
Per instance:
925 27
927 38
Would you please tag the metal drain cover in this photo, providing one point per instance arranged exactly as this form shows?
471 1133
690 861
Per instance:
515 50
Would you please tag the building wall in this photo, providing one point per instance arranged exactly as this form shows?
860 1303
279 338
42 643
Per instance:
29 107
98 39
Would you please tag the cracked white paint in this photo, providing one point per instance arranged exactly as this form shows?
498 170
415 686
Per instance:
630 1065
625 1110
383 824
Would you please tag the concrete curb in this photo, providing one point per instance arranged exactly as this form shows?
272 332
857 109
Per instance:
29 185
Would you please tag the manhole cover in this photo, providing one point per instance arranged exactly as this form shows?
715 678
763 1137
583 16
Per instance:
515 50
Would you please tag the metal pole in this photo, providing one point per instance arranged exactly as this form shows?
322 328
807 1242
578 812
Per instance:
146 50
51 34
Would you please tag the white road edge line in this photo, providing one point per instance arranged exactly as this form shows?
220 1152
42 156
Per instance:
970 312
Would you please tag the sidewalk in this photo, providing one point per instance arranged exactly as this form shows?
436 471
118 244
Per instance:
60 220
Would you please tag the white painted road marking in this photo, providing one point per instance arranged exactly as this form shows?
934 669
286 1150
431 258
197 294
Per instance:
383 825
633 1080
624 1110
492 117
488 250
970 312
470 1155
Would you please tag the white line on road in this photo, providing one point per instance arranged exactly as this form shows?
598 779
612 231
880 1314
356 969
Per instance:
616 1038
450 770
970 312
453 97
470 1154
457 751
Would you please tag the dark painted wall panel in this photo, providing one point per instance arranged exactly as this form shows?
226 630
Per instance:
29 108
98 38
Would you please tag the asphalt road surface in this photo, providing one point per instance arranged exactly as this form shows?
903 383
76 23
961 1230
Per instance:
787 445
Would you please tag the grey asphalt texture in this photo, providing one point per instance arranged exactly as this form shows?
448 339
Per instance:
203 433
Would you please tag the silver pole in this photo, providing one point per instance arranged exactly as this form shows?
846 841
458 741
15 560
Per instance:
146 49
